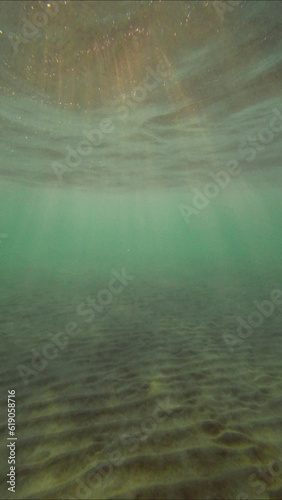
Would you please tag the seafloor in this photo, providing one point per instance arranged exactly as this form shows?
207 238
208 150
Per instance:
151 399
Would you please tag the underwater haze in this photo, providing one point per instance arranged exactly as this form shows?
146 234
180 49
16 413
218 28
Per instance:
140 250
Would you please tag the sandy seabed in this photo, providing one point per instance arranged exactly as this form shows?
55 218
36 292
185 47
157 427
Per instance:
148 400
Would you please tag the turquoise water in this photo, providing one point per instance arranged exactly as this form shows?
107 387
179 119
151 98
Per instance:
141 150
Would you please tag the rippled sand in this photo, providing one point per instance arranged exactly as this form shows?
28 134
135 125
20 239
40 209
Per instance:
147 401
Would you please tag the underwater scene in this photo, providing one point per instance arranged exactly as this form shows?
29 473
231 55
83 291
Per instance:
140 250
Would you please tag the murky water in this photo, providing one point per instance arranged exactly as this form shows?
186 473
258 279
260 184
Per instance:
140 248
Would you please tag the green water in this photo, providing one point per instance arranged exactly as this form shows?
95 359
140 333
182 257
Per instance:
84 233
140 249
